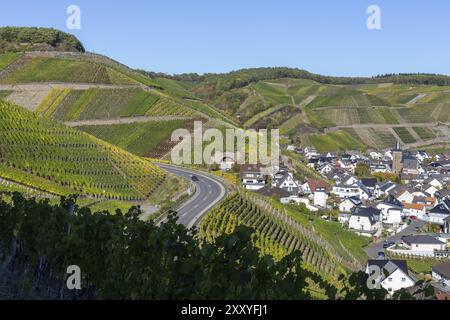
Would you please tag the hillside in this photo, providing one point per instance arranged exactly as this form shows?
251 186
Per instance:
44 155
338 117
280 231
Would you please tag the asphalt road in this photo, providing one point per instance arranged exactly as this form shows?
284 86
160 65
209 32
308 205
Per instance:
373 249
208 192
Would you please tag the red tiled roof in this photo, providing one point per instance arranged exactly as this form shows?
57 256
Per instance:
317 184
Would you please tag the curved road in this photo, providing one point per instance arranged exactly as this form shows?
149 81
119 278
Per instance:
208 192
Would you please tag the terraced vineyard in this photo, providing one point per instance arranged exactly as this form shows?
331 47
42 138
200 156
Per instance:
149 139
169 107
94 103
376 138
41 69
425 133
340 140
276 233
48 156
404 135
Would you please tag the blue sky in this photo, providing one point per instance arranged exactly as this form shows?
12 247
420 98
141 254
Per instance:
323 36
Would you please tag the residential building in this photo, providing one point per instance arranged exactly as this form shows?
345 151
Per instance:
394 274
364 221
253 176
285 180
440 212
348 204
285 196
441 273
422 245
383 189
391 210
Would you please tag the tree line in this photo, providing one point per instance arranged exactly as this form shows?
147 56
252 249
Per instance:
122 257
25 39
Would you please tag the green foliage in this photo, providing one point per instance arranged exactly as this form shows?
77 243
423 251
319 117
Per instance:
26 39
41 153
274 233
122 257
362 170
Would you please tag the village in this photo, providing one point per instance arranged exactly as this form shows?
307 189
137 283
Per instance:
399 199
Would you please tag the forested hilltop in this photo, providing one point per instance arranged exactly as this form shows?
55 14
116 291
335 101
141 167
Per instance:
215 83
18 39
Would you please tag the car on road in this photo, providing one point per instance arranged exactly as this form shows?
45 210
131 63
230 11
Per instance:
413 218
381 254
388 244
194 178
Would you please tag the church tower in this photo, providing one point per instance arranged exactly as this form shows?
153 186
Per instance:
397 155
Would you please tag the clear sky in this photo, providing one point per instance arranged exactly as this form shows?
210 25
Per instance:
323 36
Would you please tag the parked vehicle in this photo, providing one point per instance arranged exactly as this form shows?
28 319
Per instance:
388 244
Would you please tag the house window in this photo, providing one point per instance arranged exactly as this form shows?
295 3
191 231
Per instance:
390 279
403 279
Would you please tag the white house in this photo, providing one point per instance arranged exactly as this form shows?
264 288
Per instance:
432 181
325 169
421 245
405 196
391 210
376 155
253 177
393 274
285 180
365 193
364 221
346 191
430 189
384 189
441 273
348 204
415 209
440 212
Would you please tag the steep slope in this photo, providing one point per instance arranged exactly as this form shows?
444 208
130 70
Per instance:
279 231
38 152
